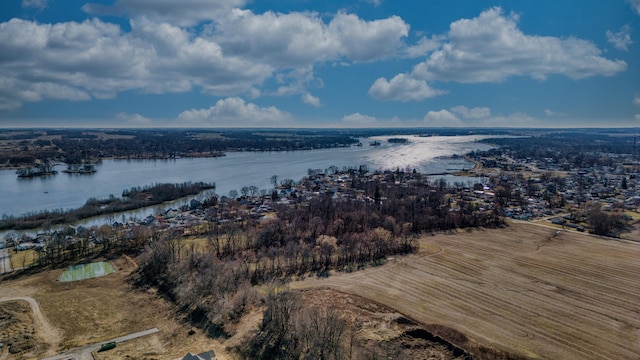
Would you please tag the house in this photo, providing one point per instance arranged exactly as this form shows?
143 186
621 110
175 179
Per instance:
209 355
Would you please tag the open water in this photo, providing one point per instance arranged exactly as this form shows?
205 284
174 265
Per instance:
231 172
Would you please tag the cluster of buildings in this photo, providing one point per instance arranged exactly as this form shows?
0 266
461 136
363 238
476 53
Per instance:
530 188
521 190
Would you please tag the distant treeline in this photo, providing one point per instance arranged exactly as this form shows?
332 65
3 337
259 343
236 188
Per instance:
75 146
133 198
78 145
578 149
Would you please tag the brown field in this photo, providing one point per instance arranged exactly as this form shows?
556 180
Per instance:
85 312
522 291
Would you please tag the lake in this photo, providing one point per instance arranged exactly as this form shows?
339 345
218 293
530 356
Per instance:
231 172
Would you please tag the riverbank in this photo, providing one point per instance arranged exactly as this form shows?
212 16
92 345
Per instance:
134 198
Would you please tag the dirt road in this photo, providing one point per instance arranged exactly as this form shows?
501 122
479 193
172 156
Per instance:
84 352
44 330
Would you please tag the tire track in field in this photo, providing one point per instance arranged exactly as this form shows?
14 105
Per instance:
541 310
611 294
580 314
597 308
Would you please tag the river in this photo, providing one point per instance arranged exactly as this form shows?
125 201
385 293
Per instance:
231 172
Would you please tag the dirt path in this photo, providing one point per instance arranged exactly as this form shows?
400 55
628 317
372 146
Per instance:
48 334
84 352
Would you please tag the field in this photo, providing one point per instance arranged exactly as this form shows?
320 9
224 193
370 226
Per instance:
527 291
84 312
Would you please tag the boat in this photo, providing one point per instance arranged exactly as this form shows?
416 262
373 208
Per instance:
375 143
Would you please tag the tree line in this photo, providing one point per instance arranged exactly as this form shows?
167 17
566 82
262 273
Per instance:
134 198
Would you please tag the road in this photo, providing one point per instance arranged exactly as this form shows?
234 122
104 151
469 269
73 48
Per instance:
5 263
84 352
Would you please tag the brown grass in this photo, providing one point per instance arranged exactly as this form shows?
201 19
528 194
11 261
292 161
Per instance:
17 332
517 292
23 258
99 309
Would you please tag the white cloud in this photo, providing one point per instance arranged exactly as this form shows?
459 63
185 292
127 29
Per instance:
621 39
35 4
473 113
442 118
635 5
234 52
637 117
299 39
402 88
184 12
491 48
361 40
461 116
234 112
359 120
311 100
97 59
422 47
636 100
549 112
134 119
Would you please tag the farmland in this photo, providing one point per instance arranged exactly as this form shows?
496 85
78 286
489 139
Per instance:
526 291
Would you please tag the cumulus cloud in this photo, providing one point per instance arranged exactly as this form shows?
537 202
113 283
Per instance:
402 88
472 113
235 112
621 39
311 100
422 47
233 54
636 100
361 40
549 112
635 5
300 39
491 48
461 116
97 59
442 118
184 13
359 120
134 119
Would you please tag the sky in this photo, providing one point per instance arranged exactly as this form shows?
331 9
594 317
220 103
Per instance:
303 63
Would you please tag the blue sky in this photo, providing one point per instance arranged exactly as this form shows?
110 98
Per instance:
302 63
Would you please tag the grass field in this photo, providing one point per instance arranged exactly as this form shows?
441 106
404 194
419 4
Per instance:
25 258
524 290
88 311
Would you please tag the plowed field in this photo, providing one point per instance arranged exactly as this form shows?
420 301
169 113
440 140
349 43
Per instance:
525 291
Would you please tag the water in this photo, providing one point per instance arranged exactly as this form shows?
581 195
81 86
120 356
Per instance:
86 271
231 172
